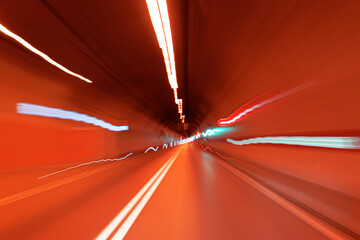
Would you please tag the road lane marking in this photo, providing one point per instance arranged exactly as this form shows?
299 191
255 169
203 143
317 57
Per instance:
136 204
120 234
27 45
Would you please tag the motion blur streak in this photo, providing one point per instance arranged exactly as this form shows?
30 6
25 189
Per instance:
160 19
282 75
318 224
186 140
208 132
208 148
38 110
214 131
144 193
241 112
84 164
326 142
41 54
248 164
233 159
151 148
120 234
49 186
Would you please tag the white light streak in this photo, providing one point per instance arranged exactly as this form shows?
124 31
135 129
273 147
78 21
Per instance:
84 164
165 145
155 149
186 140
160 19
38 110
41 54
327 142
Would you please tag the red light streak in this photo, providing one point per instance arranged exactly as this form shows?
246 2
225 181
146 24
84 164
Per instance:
251 107
208 148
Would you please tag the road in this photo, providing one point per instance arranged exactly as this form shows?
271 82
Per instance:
196 196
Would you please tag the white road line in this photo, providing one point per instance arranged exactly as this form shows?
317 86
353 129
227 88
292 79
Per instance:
141 198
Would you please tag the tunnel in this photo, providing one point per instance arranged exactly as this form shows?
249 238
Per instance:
179 119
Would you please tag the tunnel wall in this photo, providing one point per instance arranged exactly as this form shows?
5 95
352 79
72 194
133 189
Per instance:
28 141
301 59
255 52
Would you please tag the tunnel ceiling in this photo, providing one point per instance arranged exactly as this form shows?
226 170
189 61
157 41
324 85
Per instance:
227 52
110 42
113 44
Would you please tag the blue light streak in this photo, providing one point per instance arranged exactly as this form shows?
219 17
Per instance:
215 131
38 110
327 142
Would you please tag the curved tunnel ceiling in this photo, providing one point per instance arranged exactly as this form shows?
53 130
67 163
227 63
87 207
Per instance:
227 52
112 43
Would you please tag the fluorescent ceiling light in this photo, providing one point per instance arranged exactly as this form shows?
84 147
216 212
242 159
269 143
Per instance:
160 19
